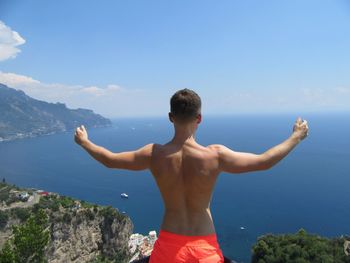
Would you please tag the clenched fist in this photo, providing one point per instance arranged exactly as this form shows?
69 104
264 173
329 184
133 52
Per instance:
80 135
300 129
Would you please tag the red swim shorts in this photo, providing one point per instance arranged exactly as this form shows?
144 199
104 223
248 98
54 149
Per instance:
174 248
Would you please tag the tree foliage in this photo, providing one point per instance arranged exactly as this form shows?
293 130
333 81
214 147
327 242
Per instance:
299 248
28 242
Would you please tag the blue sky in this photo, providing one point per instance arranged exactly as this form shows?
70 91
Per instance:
126 58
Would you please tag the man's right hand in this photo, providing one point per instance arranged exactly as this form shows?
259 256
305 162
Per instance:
300 129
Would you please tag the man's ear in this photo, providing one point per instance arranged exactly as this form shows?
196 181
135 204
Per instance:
171 117
199 118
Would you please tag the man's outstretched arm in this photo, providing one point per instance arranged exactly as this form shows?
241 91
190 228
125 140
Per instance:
133 160
238 162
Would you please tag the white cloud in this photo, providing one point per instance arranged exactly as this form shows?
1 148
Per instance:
110 89
15 80
312 99
116 101
9 41
111 100
343 90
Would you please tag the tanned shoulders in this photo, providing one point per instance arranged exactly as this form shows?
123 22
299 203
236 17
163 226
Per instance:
217 147
145 151
147 146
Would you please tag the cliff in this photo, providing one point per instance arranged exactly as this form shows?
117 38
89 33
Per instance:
22 116
78 231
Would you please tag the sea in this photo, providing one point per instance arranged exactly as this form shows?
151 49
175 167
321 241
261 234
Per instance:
309 189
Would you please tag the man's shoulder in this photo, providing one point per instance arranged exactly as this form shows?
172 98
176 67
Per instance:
148 146
147 149
155 147
217 147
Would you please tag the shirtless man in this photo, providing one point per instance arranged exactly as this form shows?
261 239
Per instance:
185 173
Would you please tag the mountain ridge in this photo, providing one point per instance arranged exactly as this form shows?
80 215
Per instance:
23 116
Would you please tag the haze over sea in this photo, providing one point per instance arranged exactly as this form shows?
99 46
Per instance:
309 189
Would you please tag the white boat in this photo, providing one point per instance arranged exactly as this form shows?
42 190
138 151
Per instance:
242 227
124 195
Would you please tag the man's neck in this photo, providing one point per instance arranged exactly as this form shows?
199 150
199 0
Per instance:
184 133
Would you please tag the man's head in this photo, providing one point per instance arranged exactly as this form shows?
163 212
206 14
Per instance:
185 107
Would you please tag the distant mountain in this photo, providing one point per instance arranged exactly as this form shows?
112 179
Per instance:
22 116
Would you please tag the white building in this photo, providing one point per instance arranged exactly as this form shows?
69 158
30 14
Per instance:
141 246
23 196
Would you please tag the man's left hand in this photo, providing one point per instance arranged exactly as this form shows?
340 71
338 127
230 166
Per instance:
81 135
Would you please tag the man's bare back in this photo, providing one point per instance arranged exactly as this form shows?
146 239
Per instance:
186 174
186 171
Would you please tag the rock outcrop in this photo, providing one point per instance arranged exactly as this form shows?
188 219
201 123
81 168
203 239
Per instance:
79 231
87 235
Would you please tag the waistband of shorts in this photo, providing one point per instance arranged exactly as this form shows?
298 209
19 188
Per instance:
178 239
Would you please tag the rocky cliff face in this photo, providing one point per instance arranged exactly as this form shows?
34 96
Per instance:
79 231
86 236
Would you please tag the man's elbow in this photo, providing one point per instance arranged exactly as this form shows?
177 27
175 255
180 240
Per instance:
112 161
266 162
122 165
265 167
106 163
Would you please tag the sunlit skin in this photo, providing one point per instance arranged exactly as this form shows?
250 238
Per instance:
186 171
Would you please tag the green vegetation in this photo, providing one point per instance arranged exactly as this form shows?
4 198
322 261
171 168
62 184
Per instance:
21 213
53 202
5 195
8 186
109 213
89 214
66 202
28 242
49 202
100 259
86 204
3 219
121 257
7 254
299 248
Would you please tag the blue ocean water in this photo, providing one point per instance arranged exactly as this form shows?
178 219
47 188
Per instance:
309 189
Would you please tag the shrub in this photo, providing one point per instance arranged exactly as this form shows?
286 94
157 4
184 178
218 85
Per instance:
4 195
11 199
89 214
3 219
300 247
86 204
110 213
66 201
21 213
67 218
28 242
